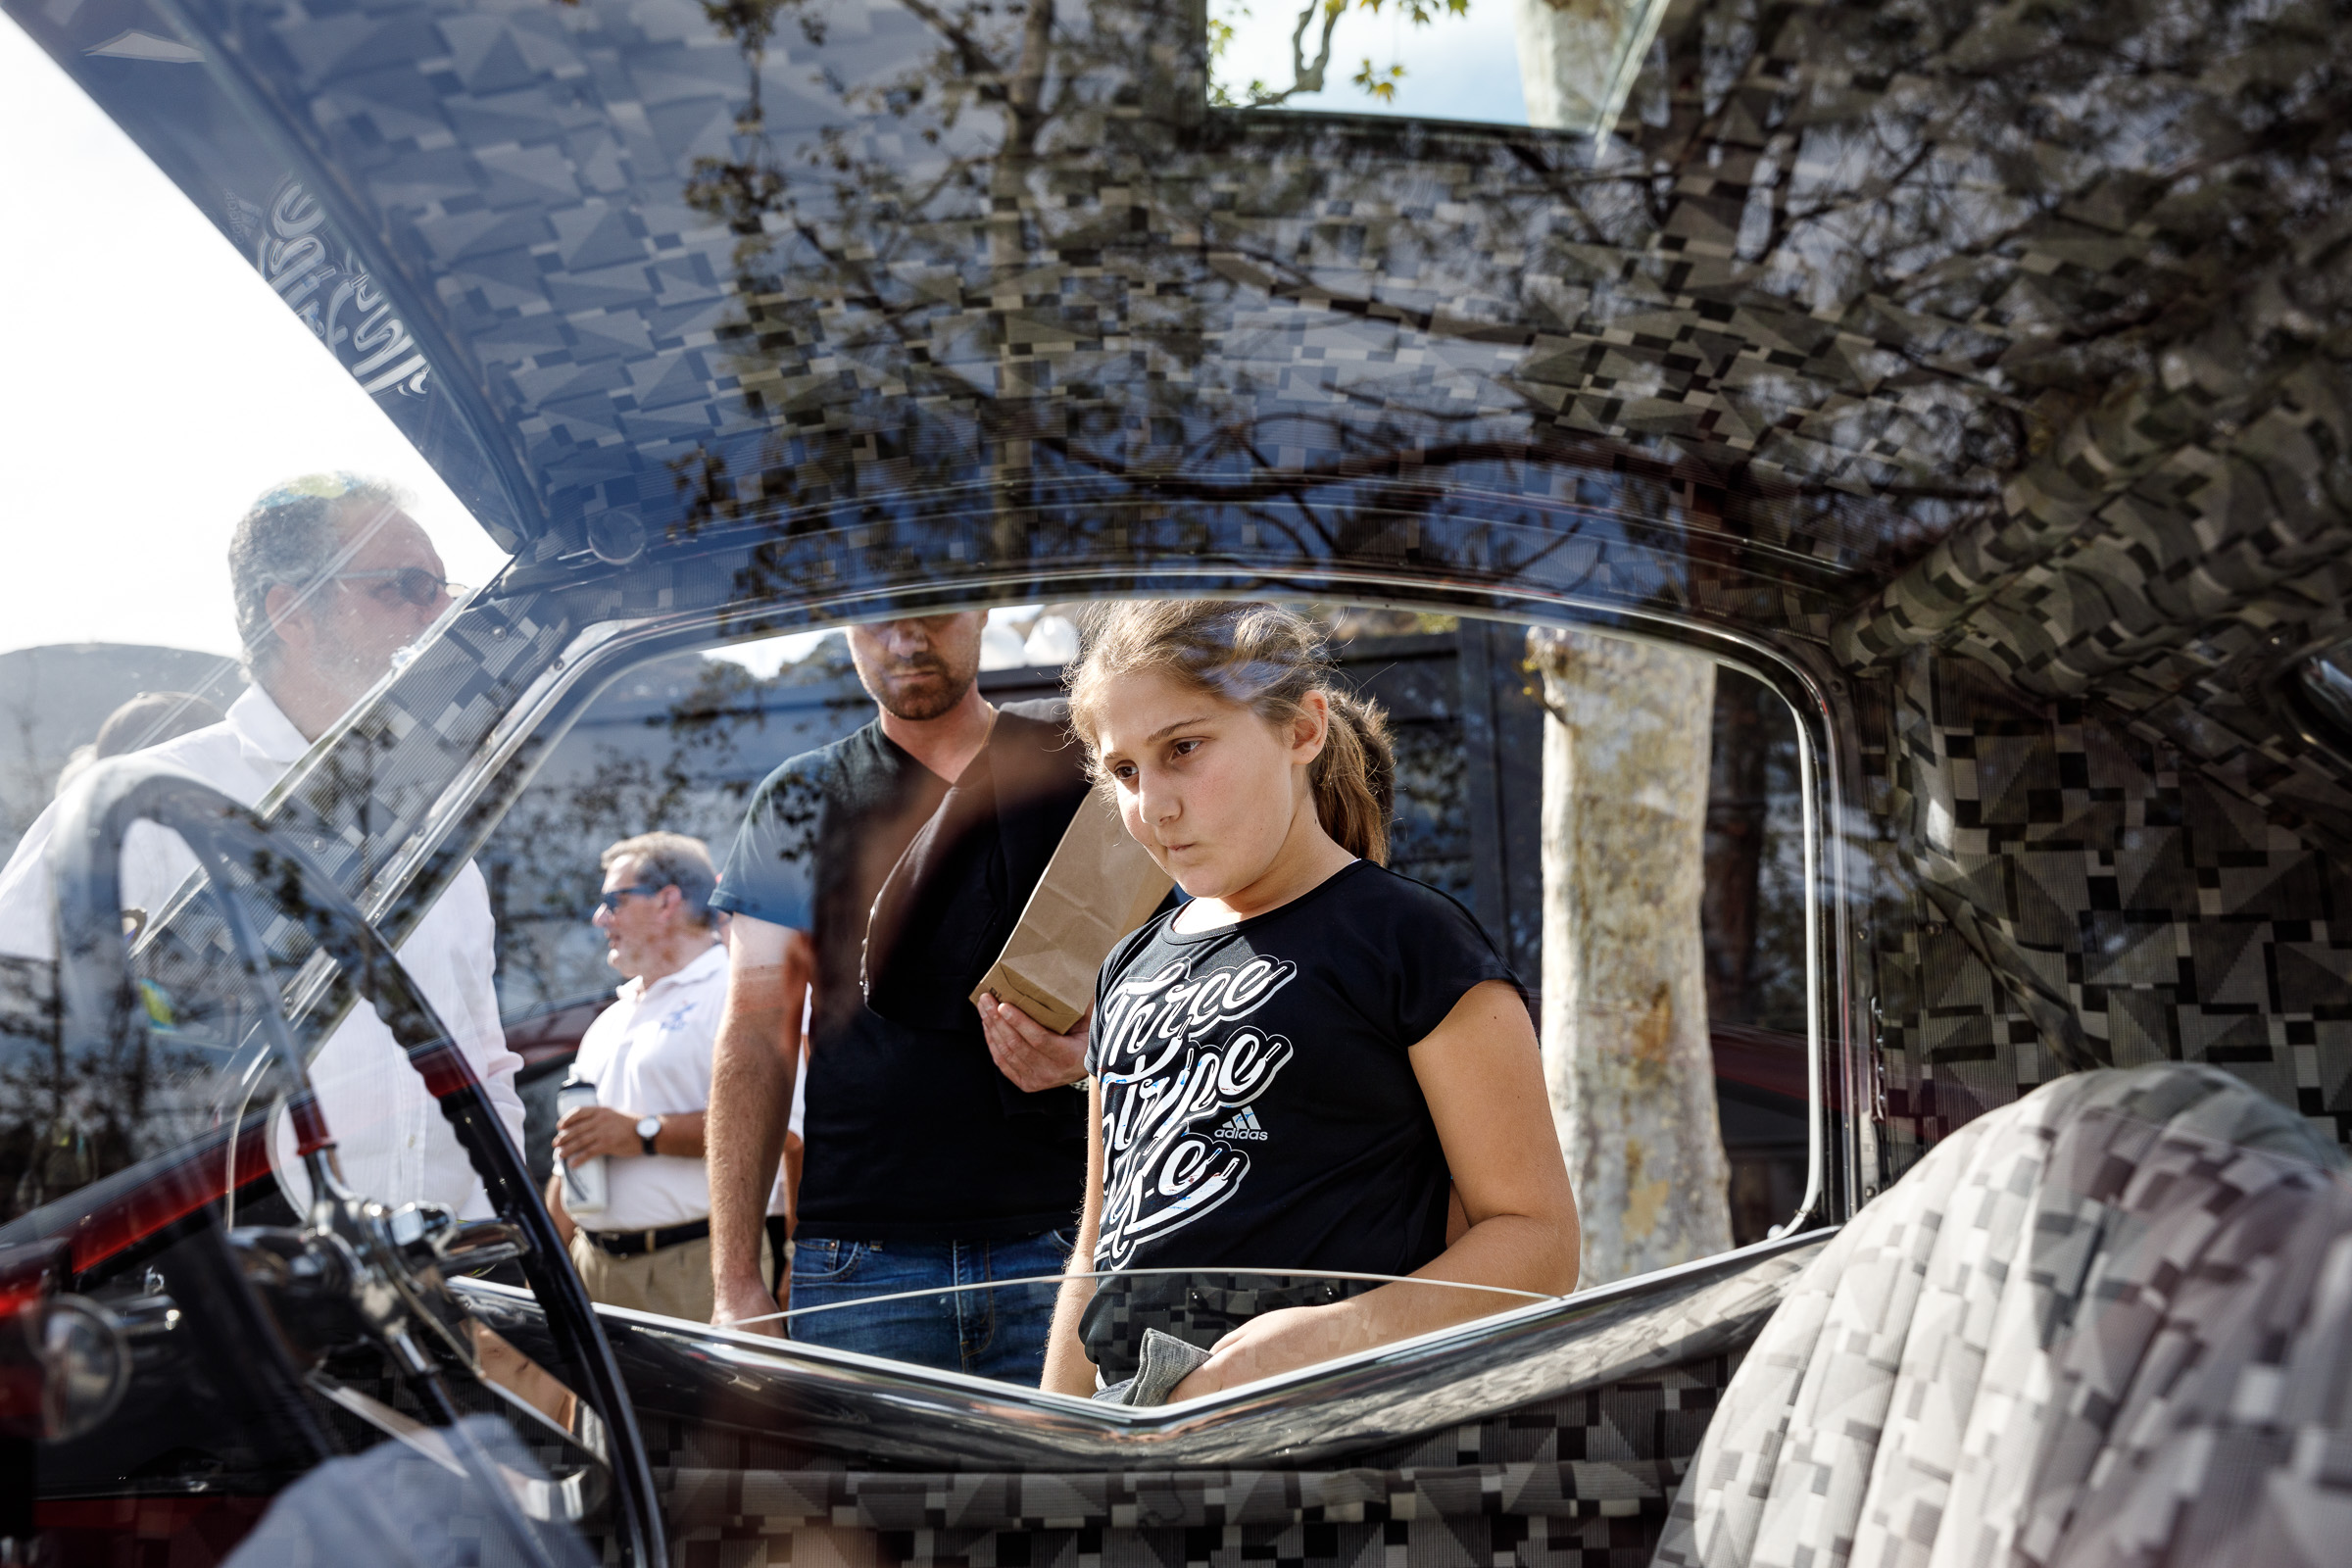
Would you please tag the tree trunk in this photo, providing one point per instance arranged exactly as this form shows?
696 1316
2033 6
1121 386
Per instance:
1576 58
1626 1055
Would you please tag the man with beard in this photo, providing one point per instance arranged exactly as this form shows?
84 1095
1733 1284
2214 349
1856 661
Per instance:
878 878
330 579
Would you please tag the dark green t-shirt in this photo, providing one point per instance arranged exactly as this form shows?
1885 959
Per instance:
909 887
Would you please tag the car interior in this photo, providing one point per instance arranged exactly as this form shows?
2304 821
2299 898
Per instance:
1895 461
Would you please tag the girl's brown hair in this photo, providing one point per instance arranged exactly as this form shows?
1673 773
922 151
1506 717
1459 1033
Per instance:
1265 659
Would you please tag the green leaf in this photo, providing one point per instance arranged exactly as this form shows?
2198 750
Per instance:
1381 85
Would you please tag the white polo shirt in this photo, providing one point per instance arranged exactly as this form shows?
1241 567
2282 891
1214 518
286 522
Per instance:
389 1134
649 1055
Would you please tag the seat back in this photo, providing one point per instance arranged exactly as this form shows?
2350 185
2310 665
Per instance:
2108 1323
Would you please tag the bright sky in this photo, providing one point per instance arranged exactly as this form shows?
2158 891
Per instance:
156 386
1456 68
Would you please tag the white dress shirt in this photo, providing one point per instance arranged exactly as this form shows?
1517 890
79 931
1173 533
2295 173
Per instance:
649 1055
389 1133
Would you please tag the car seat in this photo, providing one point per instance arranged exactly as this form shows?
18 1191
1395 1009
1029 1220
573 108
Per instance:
2107 1324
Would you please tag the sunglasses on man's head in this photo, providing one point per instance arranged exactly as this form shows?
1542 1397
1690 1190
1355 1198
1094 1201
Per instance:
610 902
413 584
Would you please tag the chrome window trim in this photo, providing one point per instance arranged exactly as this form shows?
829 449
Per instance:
888 1415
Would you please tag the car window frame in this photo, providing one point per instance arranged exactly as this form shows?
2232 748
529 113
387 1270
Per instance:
1844 1167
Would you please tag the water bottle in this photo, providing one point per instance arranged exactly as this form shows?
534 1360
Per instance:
584 1188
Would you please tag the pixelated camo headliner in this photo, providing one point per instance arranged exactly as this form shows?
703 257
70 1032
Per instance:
2045 303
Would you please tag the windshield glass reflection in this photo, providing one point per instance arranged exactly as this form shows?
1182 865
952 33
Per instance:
1531 773
1494 732
332 589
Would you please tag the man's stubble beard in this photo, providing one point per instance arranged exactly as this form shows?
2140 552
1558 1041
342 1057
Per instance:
346 672
916 710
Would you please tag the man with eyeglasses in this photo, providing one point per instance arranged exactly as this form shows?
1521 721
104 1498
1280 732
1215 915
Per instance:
649 1056
331 579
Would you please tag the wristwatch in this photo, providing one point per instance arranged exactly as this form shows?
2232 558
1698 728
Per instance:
649 1128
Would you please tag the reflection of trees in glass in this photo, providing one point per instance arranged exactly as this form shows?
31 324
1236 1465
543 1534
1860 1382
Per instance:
933 294
1737 808
679 745
1849 273
544 877
1777 978
54 698
72 1113
1432 839
46 1144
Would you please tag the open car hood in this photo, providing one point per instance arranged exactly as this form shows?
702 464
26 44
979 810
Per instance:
2046 301
2022 335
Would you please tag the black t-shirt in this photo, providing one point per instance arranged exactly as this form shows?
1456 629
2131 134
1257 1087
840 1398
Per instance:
1259 1109
911 1133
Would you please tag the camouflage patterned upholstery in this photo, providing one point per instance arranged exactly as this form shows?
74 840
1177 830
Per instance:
2104 1325
2058 889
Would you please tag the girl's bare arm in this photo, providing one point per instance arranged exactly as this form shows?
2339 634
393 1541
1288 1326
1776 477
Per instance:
1067 1370
1482 1076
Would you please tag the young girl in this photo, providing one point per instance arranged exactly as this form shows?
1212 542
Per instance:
1295 1070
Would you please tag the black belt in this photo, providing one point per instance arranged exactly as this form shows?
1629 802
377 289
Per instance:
636 1243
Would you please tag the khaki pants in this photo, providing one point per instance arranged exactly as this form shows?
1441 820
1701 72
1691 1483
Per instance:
674 1281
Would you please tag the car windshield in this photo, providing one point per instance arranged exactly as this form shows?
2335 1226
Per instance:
1691 956
1616 811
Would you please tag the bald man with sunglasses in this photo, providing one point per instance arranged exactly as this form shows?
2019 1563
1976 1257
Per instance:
332 578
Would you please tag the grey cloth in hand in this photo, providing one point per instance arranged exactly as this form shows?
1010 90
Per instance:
1165 1362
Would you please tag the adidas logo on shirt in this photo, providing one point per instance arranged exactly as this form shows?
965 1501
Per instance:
1245 1124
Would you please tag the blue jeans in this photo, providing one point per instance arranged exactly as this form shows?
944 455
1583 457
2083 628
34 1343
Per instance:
997 1333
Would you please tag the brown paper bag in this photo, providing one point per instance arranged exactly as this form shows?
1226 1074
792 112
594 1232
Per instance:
1098 886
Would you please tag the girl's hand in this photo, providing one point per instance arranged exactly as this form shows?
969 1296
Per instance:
1281 1340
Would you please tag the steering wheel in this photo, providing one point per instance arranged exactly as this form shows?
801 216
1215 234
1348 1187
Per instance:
355 1270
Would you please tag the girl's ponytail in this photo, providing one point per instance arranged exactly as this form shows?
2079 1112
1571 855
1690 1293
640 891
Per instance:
1355 778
